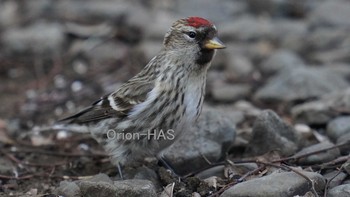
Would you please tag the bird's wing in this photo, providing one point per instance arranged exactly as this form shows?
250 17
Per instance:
117 104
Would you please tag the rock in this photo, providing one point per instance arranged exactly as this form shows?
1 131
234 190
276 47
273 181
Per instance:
332 13
339 191
230 92
217 171
88 11
247 108
6 167
281 59
325 38
234 114
300 84
288 33
339 68
323 110
102 185
150 48
9 14
132 187
271 133
279 8
286 28
277 184
161 22
39 38
218 11
135 188
105 53
67 188
143 173
342 140
338 127
210 137
335 177
101 178
36 10
318 158
238 66
340 54
247 28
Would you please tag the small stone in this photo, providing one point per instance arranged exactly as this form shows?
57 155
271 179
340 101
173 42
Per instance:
150 48
277 184
344 139
335 177
338 127
101 177
238 66
135 188
300 84
304 130
104 53
39 38
76 86
230 92
339 191
332 13
318 158
132 187
9 13
216 171
323 110
325 38
67 188
339 68
247 28
271 133
210 137
281 59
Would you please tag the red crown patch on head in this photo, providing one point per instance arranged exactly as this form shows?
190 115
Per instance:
198 22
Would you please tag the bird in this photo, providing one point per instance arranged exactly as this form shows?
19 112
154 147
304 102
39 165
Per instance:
150 111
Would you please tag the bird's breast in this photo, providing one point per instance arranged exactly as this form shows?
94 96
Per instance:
193 98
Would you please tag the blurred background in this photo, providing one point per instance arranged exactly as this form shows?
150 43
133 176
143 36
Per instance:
57 56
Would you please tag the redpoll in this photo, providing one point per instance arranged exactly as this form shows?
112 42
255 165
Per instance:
151 110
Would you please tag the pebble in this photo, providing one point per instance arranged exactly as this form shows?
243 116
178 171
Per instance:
344 139
332 13
335 178
276 184
102 185
210 137
318 158
300 84
269 127
39 38
324 109
338 127
339 191
281 59
230 92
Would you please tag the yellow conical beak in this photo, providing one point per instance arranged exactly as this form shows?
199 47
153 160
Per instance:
214 43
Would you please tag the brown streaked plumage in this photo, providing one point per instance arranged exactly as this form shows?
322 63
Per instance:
166 95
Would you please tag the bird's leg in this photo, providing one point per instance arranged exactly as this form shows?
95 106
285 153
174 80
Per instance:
168 166
120 171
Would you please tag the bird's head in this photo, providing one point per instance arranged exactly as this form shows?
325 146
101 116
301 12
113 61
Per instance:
194 37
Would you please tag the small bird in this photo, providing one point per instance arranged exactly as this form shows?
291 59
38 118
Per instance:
152 109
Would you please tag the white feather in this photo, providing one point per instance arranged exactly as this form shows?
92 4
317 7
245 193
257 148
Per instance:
151 96
192 97
112 103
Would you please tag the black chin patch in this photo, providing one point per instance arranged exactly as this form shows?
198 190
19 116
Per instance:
205 56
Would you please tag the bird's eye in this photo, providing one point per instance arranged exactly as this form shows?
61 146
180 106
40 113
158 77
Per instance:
192 34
